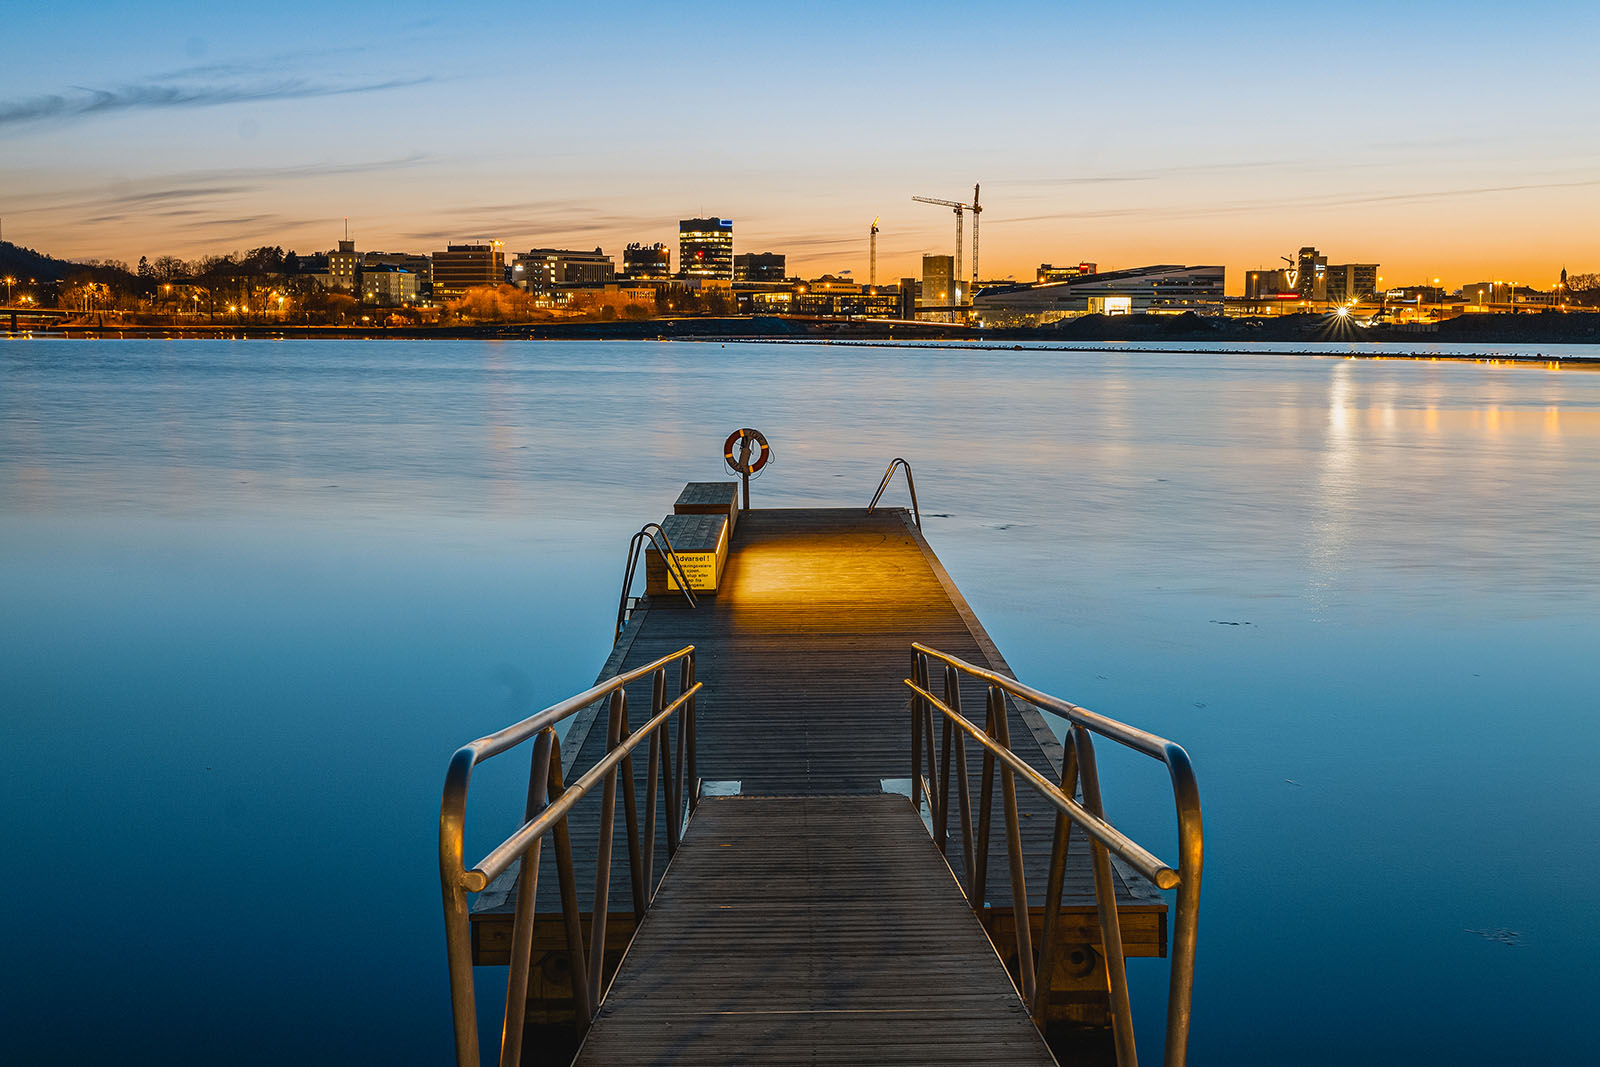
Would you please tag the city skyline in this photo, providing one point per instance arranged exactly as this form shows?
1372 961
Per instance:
1440 145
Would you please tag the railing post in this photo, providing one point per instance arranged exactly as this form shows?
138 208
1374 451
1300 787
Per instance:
630 805
952 684
601 906
1019 884
1050 936
1185 925
985 808
919 671
679 808
686 680
457 925
583 1007
651 778
1105 901
963 791
658 702
526 908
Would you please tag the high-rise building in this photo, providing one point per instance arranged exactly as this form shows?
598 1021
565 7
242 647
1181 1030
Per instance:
939 286
759 267
463 267
1311 274
544 270
705 248
646 261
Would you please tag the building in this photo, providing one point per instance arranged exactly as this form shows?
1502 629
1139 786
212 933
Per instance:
939 285
759 267
420 266
1347 282
344 268
462 267
1049 272
1165 289
705 248
646 261
1311 274
834 296
1271 285
545 270
388 286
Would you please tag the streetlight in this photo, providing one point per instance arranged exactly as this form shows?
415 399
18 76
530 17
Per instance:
10 281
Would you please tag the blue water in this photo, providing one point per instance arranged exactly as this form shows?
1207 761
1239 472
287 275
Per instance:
252 594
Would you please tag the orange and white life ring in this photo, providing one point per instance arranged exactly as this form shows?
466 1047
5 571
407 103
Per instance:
742 439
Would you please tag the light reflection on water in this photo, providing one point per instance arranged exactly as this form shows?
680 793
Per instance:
255 593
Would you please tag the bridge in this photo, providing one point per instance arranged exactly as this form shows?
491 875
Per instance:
845 831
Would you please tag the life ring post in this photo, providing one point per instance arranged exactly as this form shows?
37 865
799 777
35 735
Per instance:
745 440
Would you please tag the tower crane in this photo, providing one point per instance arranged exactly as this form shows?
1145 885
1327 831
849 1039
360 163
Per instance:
960 209
872 257
976 211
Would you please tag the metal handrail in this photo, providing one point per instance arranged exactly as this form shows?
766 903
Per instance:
668 557
549 804
1078 767
911 484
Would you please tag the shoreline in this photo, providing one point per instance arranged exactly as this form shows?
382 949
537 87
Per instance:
1185 334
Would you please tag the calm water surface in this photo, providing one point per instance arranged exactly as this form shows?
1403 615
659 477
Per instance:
252 594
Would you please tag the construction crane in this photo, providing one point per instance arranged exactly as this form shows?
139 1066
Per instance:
872 257
977 210
960 209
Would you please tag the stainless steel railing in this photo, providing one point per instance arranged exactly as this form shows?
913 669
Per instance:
550 800
911 484
1078 767
663 546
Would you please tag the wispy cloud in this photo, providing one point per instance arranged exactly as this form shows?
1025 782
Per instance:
194 186
82 103
1238 207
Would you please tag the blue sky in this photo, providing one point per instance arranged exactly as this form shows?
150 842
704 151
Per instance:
1439 139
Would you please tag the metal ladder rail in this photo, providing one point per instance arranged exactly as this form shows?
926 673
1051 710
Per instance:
636 548
1078 766
550 801
911 484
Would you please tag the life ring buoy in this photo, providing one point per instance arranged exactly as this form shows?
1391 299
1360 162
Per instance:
742 440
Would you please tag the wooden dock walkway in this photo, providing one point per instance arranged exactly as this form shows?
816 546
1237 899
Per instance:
802 653
817 930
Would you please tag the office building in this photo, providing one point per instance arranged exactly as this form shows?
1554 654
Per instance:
462 267
939 286
545 270
705 248
1345 282
646 261
759 267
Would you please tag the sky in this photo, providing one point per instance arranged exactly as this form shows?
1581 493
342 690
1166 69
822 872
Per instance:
1451 140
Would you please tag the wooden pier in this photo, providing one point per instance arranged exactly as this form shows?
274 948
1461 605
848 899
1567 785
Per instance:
808 916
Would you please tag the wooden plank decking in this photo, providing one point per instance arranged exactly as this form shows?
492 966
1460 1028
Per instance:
802 654
811 930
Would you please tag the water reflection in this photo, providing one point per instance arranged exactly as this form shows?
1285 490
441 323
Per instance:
267 587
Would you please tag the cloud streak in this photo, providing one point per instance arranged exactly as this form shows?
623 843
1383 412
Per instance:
81 103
